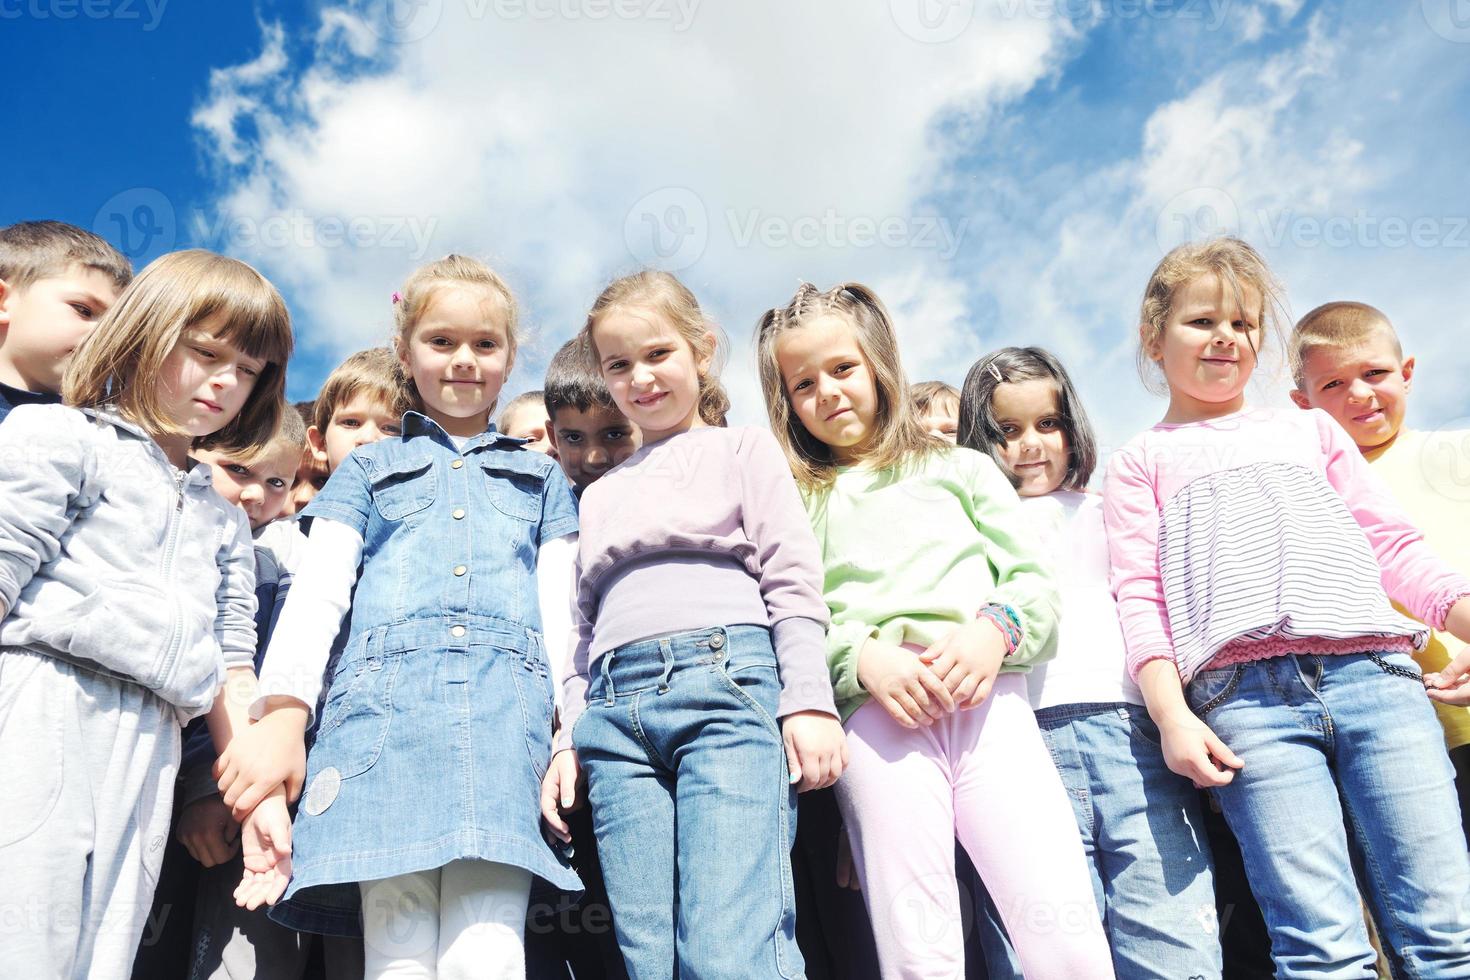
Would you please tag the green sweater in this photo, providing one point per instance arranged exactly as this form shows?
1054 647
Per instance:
909 553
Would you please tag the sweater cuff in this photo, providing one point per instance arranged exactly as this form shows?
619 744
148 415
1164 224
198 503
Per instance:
1439 610
801 645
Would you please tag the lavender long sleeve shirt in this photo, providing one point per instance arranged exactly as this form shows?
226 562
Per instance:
704 528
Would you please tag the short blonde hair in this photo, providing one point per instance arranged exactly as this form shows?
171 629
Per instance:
120 362
410 302
1238 267
901 436
664 296
926 394
1337 326
34 250
376 372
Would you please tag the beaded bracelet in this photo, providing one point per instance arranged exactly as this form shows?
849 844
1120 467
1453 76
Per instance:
1006 621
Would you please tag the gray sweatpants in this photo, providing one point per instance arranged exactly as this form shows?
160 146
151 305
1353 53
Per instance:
87 763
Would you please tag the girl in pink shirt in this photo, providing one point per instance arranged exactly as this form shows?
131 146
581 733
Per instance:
1250 554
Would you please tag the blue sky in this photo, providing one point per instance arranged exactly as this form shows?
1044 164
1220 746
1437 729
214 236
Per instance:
1002 171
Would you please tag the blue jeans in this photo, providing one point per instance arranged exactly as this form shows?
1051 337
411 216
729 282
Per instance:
694 816
1144 836
1344 763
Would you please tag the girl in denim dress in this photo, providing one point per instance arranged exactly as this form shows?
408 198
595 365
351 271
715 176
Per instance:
419 816
696 695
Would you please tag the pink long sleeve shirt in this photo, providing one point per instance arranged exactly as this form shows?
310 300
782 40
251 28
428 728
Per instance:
1258 534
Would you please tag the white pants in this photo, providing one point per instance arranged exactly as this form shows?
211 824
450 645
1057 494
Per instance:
87 763
466 919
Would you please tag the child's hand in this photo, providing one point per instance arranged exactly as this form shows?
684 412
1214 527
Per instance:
208 832
270 753
846 873
1451 685
816 749
265 840
967 660
1195 752
561 792
906 686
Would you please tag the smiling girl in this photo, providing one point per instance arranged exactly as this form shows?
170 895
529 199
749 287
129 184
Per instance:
1253 554
695 697
127 597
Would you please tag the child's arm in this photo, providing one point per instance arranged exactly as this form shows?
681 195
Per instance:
791 585
273 750
1451 685
554 579
265 845
561 789
47 475
1191 749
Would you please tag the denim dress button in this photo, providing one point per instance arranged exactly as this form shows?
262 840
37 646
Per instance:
458 514
456 631
456 464
460 570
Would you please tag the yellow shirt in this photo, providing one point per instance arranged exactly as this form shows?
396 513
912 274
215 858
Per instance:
1429 475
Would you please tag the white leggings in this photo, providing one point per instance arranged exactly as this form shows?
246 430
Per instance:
466 919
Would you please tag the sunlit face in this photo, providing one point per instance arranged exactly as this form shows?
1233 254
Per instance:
529 422
650 370
458 356
262 488
590 443
1030 418
942 419
42 324
203 384
362 419
830 384
1207 349
1366 388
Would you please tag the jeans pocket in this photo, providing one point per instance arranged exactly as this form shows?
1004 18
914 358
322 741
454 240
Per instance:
1142 727
753 677
1209 688
1398 665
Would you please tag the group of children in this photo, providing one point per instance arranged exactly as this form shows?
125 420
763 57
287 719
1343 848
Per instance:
541 698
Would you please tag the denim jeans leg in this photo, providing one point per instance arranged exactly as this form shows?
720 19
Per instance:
1284 809
633 814
1399 792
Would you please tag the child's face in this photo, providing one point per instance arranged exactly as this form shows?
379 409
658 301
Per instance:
590 443
1366 388
205 380
42 324
650 371
458 356
358 421
1036 447
308 476
261 487
830 384
529 421
1207 349
942 419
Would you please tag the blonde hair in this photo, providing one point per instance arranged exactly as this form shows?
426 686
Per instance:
427 280
901 437
664 296
1238 267
1337 326
120 363
926 394
34 250
376 372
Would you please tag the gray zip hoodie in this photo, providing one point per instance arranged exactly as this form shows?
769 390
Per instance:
113 560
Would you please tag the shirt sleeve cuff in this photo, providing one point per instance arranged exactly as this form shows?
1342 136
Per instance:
801 646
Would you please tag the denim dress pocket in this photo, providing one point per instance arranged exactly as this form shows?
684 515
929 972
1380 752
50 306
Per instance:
532 675
357 712
515 484
404 488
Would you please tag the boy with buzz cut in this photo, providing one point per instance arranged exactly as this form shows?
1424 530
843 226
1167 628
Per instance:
1347 360
588 433
56 281
526 418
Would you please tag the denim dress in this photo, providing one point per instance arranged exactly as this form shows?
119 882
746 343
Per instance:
436 728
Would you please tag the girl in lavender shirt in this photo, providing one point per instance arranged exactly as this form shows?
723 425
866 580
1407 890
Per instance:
696 694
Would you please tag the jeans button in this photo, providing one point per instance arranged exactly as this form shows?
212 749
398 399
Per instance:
716 641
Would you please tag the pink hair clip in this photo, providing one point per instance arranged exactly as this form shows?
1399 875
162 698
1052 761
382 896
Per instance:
397 298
